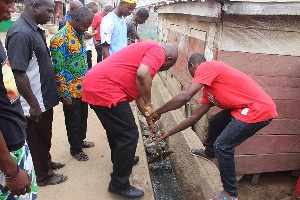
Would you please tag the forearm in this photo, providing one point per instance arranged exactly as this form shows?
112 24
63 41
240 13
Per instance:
105 51
177 102
7 165
23 85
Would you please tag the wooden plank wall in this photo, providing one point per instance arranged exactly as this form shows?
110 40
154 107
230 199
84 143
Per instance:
268 49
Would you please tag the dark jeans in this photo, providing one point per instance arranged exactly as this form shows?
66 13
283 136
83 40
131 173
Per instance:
99 52
122 134
89 58
76 124
39 141
224 134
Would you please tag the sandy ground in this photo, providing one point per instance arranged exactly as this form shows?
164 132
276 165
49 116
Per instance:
89 179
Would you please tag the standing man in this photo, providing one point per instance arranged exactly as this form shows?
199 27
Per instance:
69 59
132 23
89 42
246 110
17 176
30 61
109 87
68 16
113 28
96 27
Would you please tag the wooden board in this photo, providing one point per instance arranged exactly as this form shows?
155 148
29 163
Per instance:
269 144
262 64
252 164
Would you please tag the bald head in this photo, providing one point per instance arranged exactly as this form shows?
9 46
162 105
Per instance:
171 54
74 5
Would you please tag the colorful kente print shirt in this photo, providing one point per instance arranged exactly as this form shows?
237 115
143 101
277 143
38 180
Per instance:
68 51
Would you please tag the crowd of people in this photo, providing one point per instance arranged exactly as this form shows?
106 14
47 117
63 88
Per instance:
64 73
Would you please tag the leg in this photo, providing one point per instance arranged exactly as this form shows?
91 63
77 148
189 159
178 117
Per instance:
233 135
216 125
73 126
83 121
89 58
39 139
120 127
99 53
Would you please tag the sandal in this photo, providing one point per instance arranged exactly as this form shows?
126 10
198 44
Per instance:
81 156
198 153
87 144
55 165
223 197
53 180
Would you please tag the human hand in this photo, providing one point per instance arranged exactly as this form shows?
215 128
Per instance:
20 184
149 110
155 117
164 135
96 44
35 113
67 103
153 128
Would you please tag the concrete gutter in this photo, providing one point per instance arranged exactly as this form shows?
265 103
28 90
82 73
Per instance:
198 178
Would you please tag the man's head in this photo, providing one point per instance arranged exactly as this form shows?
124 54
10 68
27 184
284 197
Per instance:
93 6
107 9
141 15
126 7
40 11
6 8
74 5
82 20
194 61
171 55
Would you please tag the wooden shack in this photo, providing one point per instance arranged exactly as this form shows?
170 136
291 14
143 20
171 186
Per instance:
260 38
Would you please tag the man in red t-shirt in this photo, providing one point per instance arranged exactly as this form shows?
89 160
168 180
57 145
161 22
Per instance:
246 109
109 87
96 26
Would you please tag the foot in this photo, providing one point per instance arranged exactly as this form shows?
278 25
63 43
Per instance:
55 165
53 180
136 160
128 191
224 196
200 153
81 156
87 144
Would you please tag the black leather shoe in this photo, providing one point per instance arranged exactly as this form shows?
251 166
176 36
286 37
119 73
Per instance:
128 191
136 160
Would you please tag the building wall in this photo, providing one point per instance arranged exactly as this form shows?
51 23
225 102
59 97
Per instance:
265 47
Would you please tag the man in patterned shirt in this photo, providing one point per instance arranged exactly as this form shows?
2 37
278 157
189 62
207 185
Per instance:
69 57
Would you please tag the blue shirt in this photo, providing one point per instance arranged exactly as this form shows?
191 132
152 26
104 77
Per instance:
114 32
64 20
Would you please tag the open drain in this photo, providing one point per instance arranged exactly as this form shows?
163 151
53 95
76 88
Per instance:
164 183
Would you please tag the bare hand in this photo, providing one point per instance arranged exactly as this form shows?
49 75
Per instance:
67 103
164 136
20 184
35 113
149 110
155 117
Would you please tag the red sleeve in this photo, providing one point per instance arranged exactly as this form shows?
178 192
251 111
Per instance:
154 58
204 97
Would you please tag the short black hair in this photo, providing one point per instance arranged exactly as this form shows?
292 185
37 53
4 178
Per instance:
82 14
143 13
196 58
92 4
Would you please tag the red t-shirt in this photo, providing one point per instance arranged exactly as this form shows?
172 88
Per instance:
113 80
96 25
229 88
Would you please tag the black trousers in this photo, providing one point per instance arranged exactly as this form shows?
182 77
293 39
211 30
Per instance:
39 140
122 134
89 58
99 52
76 124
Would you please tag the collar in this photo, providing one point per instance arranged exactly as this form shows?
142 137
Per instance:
29 21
